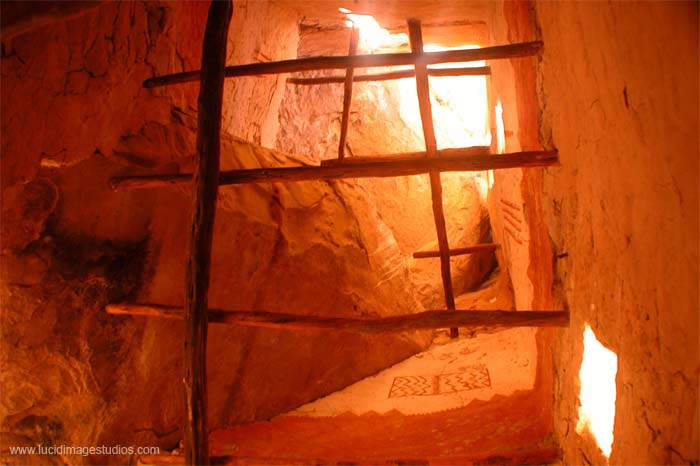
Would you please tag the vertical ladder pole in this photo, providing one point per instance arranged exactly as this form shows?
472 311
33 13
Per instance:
423 89
206 182
347 93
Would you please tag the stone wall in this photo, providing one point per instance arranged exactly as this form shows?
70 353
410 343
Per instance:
514 200
310 124
74 114
621 211
618 89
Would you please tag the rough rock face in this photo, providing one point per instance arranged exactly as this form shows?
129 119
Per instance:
260 31
300 248
73 374
468 224
63 359
310 124
28 207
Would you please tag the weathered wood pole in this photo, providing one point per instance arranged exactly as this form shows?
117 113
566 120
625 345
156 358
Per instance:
391 75
372 167
206 182
524 49
432 319
347 94
423 88
458 251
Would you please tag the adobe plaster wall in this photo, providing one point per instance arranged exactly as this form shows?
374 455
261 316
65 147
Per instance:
515 207
621 210
618 89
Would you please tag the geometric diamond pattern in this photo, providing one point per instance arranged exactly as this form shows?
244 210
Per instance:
468 378
475 377
412 385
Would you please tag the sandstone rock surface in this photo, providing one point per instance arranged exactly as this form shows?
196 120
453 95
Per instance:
310 124
73 374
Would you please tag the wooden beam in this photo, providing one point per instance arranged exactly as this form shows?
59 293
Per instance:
547 455
166 460
206 183
433 319
391 75
358 61
373 169
347 94
408 156
458 251
415 37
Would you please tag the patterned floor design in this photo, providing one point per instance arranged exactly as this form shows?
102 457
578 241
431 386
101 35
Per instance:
468 378
448 375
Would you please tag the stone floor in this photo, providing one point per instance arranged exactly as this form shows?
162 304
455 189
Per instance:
450 374
464 401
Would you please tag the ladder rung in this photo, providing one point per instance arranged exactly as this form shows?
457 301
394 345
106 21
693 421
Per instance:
358 61
415 36
458 251
408 156
391 75
373 169
398 323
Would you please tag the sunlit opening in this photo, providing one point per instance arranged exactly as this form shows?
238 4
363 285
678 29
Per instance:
372 35
598 391
459 103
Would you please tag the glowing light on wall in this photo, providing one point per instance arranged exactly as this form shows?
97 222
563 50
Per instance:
372 35
500 129
459 105
598 391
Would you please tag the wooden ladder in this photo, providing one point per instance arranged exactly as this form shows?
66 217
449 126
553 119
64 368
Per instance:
207 178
